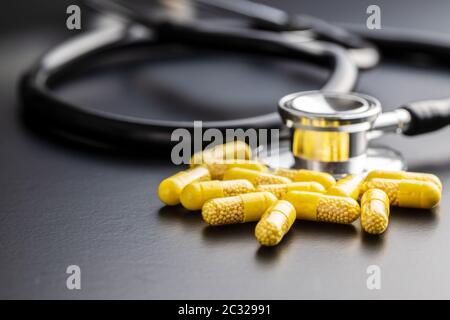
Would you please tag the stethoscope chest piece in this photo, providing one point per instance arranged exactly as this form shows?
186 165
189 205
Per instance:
330 132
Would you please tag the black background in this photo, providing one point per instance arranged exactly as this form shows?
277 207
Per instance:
63 204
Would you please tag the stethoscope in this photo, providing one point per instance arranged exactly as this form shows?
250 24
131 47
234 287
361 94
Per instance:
330 129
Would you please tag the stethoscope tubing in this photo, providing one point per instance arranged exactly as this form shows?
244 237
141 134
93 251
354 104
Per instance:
46 108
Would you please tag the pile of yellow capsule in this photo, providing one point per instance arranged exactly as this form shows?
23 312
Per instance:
230 188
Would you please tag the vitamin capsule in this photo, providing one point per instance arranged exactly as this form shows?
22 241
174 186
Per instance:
275 223
238 209
279 190
170 189
384 174
304 175
227 151
194 195
217 168
374 211
350 186
254 177
407 193
320 207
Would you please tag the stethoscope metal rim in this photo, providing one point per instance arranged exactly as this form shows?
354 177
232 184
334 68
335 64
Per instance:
373 107
376 157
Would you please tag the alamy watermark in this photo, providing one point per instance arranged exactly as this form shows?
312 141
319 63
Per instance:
373 281
260 141
374 19
73 281
73 21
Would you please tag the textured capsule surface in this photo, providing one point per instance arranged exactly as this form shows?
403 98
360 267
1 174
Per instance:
279 190
254 177
374 211
384 174
407 193
170 189
275 223
227 151
238 209
303 175
196 194
320 207
350 186
217 168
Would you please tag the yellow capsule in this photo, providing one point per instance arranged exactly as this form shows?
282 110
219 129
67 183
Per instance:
407 193
194 195
217 168
350 186
275 223
279 190
304 175
227 151
374 211
254 177
319 207
169 189
238 209
287 173
384 174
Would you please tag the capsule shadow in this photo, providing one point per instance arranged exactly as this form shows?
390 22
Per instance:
373 242
179 214
313 229
227 233
414 217
266 255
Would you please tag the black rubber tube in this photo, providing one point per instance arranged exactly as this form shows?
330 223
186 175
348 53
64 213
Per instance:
43 108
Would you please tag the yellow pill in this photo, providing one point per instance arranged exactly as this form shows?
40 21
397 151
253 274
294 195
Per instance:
384 174
304 175
238 209
227 151
254 177
169 189
275 223
217 168
279 190
288 173
374 211
194 195
407 193
319 207
350 186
